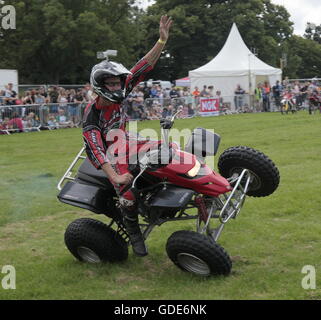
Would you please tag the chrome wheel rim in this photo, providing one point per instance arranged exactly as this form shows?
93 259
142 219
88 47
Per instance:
193 264
88 255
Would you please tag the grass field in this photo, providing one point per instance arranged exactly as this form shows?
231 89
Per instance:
270 242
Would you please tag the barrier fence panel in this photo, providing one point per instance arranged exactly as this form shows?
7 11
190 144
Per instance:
27 118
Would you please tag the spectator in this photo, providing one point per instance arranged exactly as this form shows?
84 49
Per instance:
10 95
63 120
204 92
15 123
42 92
266 89
166 93
28 99
211 91
4 125
146 91
165 113
32 122
52 122
19 101
173 93
2 98
190 110
153 92
180 92
220 99
196 94
277 91
238 98
54 94
89 94
297 93
39 99
75 108
258 102
304 92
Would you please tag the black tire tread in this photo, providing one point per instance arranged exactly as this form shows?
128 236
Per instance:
254 160
97 236
200 246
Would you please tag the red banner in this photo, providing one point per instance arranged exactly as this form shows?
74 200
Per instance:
209 107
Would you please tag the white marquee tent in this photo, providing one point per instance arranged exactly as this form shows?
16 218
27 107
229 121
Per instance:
235 64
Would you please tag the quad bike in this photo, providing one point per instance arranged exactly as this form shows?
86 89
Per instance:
173 191
288 103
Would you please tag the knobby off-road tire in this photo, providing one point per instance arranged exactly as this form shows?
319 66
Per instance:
92 241
196 253
265 174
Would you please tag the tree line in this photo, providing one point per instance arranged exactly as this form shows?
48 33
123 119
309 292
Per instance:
57 41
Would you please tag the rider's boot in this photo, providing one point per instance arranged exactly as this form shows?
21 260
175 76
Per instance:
135 235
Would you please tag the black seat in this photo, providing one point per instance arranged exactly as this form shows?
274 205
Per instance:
87 172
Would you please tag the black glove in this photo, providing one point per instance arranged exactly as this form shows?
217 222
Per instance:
166 123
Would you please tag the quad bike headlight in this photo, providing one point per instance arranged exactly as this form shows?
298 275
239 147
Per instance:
194 171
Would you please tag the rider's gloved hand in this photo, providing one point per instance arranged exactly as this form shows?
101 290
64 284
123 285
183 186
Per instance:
166 123
123 179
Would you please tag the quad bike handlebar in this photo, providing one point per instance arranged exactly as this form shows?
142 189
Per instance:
166 125
154 156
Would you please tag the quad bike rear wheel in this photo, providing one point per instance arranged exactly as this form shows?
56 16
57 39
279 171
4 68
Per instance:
93 241
265 176
194 252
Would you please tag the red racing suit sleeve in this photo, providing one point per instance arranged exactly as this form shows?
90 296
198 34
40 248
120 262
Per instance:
94 145
139 71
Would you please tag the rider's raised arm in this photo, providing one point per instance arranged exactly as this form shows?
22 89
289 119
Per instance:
153 55
147 63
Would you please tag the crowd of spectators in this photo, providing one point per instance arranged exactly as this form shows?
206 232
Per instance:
41 95
155 102
63 107
59 107
299 92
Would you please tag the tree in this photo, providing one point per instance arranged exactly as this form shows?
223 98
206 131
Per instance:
201 27
304 58
313 32
57 41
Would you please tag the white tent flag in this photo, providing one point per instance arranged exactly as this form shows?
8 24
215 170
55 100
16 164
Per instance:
234 65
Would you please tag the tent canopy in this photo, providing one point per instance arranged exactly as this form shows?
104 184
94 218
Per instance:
235 64
183 82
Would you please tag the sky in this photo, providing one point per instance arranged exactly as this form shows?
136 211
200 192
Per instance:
301 11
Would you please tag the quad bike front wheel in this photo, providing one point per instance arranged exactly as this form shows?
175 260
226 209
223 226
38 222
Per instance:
93 241
196 253
265 176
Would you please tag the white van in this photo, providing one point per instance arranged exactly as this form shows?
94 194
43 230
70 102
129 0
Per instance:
9 76
151 82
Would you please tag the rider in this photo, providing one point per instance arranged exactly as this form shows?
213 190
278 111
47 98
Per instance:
112 82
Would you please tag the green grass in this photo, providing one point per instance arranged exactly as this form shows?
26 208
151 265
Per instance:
270 242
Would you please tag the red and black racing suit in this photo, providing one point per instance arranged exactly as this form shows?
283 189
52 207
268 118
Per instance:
98 121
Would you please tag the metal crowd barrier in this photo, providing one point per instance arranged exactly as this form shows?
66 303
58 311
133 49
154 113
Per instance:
36 117
156 108
26 118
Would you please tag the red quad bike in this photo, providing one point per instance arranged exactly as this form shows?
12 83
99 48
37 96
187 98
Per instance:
175 191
